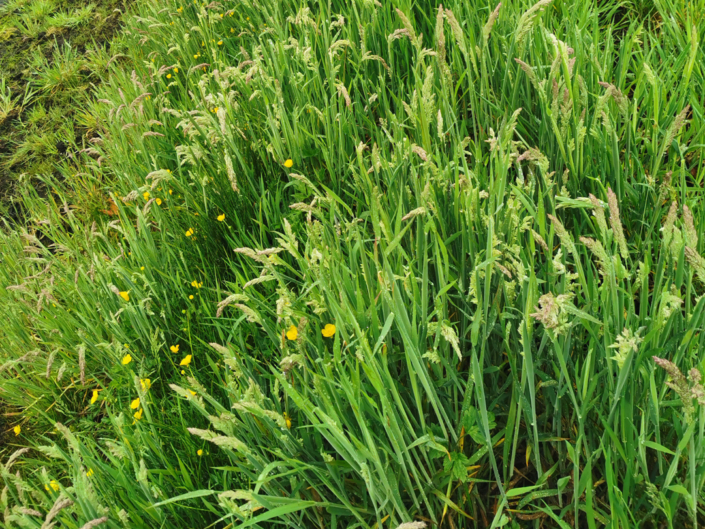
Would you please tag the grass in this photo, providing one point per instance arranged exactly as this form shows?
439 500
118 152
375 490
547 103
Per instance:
352 264
52 53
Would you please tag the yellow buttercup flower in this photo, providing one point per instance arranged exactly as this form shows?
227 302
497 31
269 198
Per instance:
138 414
17 429
191 296
193 393
168 76
221 217
200 453
288 420
146 195
289 163
95 396
180 9
174 348
54 485
145 383
189 232
126 359
176 70
90 472
292 333
328 330
220 43
186 361
135 403
125 295
159 201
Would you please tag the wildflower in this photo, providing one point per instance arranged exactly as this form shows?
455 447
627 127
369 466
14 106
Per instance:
53 484
189 232
289 163
193 393
146 195
232 30
180 9
183 372
176 70
126 359
170 191
168 76
220 43
215 110
221 217
90 472
145 383
328 330
191 296
292 333
174 348
288 420
125 295
138 414
195 56
159 201
95 396
199 452
141 267
135 403
17 429
186 361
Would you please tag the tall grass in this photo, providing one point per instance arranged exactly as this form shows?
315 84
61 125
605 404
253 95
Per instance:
368 264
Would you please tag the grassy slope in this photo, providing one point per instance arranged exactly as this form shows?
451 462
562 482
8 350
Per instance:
417 219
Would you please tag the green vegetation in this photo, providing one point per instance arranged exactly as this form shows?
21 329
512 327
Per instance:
51 52
361 264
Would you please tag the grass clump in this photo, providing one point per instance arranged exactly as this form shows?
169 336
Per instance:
361 265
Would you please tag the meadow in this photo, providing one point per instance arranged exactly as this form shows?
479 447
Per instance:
364 264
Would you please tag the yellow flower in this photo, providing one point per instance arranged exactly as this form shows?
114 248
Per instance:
220 43
183 372
215 110
288 420
180 9
232 30
17 429
292 333
174 348
90 472
200 453
328 330
189 232
159 201
145 383
191 296
196 284
126 359
170 191
289 163
135 403
195 56
168 76
141 267
193 393
125 295
138 414
221 217
95 396
53 484
176 70
146 195
186 361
